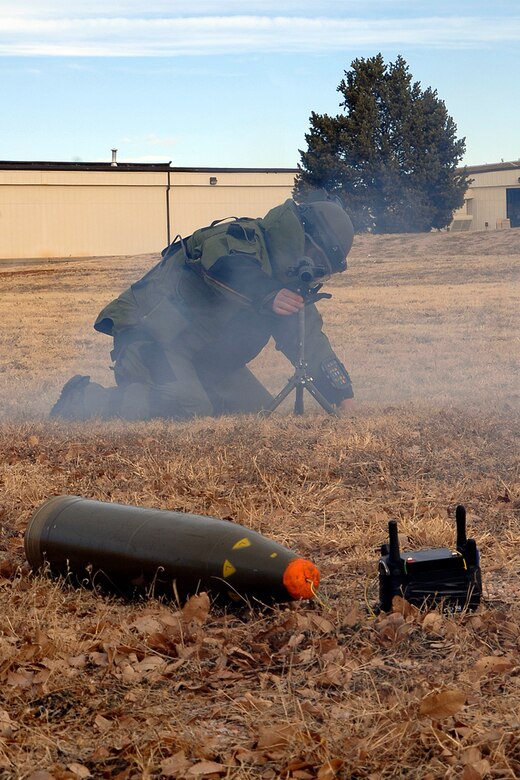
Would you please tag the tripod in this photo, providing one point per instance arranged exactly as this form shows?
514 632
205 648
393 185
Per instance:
301 380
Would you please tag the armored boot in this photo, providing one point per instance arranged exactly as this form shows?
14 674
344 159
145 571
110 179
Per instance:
69 405
82 399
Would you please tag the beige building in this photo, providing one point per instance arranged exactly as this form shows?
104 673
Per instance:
82 209
95 209
492 200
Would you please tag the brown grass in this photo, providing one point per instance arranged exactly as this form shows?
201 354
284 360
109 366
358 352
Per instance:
91 686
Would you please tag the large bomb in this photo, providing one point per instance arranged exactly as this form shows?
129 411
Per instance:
131 550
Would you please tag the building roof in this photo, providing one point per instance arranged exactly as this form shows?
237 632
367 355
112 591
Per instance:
30 165
122 166
488 168
167 166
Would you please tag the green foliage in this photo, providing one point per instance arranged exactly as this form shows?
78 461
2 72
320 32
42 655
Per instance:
391 157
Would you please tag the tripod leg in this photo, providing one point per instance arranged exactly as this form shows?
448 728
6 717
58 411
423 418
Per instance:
300 380
282 395
298 401
313 390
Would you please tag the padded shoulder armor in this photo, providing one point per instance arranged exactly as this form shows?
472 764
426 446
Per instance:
240 237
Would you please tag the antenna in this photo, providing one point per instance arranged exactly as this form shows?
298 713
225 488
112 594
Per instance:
394 553
460 519
471 553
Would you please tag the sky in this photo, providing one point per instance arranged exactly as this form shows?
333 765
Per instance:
221 83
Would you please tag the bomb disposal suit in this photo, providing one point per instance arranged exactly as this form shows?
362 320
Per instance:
184 333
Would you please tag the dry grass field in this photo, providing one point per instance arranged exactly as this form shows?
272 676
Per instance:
95 687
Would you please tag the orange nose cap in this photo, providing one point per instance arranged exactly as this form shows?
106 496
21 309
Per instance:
301 578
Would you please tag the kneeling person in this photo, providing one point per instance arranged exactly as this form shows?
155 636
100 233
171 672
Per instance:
184 333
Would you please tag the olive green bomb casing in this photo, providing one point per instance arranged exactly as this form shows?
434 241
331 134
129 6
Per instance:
131 550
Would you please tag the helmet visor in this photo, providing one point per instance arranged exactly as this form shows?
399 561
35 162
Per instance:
329 228
323 268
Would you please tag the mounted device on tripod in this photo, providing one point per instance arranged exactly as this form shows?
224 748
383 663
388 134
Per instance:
307 275
450 578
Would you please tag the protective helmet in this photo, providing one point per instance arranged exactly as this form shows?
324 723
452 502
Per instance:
329 229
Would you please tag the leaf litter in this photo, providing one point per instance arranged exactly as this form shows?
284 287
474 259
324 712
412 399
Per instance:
96 687
93 686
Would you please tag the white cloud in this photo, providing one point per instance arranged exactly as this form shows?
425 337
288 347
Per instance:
165 8
81 9
196 35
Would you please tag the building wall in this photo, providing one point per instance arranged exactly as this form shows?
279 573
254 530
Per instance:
81 209
485 201
195 202
78 212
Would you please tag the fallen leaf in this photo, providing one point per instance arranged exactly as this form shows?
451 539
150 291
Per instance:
170 619
128 673
442 704
98 659
80 770
333 675
296 765
250 702
330 770
403 607
470 773
353 616
470 755
6 724
20 678
492 664
477 770
103 724
175 765
245 756
203 768
146 624
196 608
77 661
483 766
8 569
322 624
433 623
150 663
275 736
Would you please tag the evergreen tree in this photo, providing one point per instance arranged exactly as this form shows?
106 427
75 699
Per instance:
391 157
